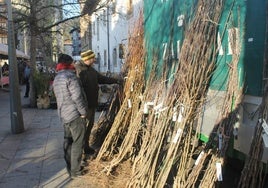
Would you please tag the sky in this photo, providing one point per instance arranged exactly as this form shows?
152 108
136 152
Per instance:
70 10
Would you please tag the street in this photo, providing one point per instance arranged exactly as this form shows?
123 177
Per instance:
33 158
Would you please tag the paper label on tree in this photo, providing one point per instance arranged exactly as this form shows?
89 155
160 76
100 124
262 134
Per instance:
146 109
129 103
180 117
177 136
219 171
198 158
174 117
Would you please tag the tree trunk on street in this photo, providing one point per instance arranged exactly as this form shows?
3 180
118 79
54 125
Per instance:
33 40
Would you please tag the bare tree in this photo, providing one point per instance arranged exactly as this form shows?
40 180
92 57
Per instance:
39 19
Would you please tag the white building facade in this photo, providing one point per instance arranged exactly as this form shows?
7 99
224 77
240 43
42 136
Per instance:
110 27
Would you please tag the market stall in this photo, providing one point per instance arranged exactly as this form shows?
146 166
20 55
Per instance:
4 77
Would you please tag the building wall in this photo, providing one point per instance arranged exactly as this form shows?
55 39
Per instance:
85 32
3 22
109 28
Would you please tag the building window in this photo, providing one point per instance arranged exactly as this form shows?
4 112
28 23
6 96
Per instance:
105 58
115 57
104 17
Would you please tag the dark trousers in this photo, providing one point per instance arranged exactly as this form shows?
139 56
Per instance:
27 83
74 133
90 117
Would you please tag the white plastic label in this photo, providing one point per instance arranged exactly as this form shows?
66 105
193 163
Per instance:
146 109
129 103
177 136
219 171
180 20
174 117
132 87
180 117
198 158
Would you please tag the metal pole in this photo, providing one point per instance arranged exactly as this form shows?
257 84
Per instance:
108 39
1 76
17 125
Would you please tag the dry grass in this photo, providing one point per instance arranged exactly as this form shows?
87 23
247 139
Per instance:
97 177
154 150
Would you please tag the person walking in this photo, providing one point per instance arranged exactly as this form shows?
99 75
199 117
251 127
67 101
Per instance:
72 110
90 79
27 73
5 68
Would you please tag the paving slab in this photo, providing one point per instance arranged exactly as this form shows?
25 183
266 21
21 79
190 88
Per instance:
33 158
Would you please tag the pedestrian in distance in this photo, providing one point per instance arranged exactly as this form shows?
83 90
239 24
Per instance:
90 80
5 68
72 110
27 73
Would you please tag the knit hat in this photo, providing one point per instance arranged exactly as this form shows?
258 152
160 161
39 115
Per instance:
89 54
64 58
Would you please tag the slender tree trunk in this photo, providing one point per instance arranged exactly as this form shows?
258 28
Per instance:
33 40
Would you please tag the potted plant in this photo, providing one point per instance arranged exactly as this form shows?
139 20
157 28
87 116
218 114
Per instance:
41 85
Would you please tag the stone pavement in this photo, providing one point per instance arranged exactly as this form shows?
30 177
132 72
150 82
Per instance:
33 158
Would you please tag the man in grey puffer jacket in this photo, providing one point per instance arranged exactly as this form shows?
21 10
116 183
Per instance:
72 110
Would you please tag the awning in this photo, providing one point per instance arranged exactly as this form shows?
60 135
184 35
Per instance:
4 52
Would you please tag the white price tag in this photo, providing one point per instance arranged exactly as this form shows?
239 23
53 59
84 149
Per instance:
129 103
198 158
146 109
219 171
174 117
177 136
180 117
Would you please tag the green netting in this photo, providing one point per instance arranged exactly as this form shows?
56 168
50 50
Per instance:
164 37
162 31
